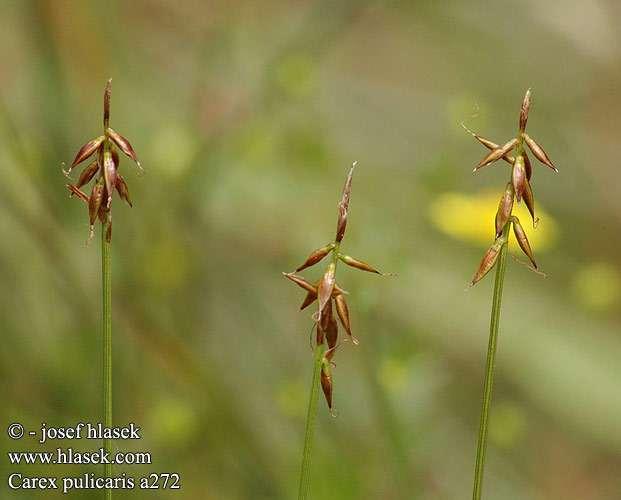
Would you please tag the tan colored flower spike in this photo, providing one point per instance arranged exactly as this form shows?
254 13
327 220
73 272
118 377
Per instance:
329 295
104 170
519 187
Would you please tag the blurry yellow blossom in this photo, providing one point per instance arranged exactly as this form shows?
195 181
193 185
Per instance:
471 218
598 286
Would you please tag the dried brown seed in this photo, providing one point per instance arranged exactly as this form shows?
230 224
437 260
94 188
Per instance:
106 104
505 207
123 144
341 224
496 154
488 144
73 190
524 111
518 177
358 264
86 151
121 187
316 256
488 261
538 151
308 300
301 282
326 287
326 383
529 200
332 330
520 235
528 167
94 203
343 313
87 174
110 175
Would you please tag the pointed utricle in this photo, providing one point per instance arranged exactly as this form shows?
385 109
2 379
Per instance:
529 200
518 177
524 111
488 261
343 312
109 170
315 257
87 174
358 264
520 235
123 144
496 154
121 187
326 286
87 151
505 207
73 190
94 203
341 224
332 330
538 151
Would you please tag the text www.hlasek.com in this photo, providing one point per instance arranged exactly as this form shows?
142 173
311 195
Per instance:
70 456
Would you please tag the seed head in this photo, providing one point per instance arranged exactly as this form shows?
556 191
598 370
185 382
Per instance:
104 170
518 188
329 295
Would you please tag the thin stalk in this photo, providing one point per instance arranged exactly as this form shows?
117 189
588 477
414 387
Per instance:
489 371
311 417
311 414
106 281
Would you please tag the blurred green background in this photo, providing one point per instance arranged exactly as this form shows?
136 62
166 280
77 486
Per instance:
246 116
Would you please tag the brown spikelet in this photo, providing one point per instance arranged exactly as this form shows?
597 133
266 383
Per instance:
488 144
123 144
341 224
316 256
73 190
529 200
332 329
505 208
520 235
524 111
343 313
87 174
487 262
109 170
518 177
94 203
528 167
326 384
496 154
87 151
358 264
326 286
301 282
121 187
538 151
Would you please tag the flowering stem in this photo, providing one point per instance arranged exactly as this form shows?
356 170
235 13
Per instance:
311 417
106 280
489 371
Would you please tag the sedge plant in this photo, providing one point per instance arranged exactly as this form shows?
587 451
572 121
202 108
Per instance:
103 172
330 297
513 152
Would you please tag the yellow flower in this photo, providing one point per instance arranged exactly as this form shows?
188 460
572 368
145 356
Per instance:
470 218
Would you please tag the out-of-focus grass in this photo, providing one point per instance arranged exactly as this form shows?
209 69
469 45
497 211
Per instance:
246 117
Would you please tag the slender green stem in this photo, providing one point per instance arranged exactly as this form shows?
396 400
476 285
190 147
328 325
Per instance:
489 371
311 417
106 280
